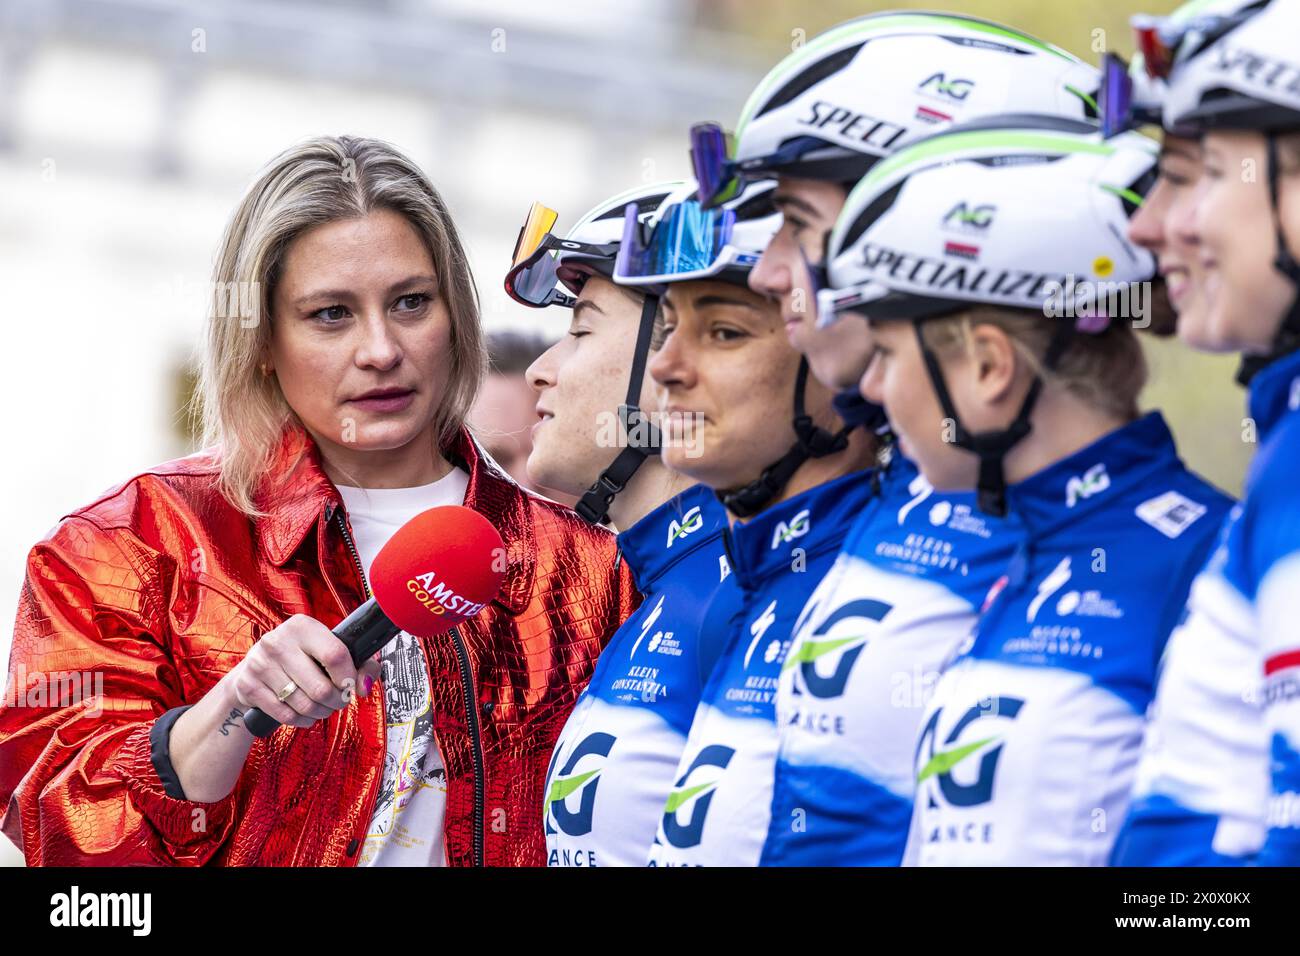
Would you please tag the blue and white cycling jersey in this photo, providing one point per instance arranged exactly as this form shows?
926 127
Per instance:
867 650
1202 797
718 811
1263 565
1030 741
1267 567
614 761
1200 794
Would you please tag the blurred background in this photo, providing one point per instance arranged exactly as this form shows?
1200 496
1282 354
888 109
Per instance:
129 128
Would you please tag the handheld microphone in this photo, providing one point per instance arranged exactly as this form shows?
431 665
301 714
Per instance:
441 567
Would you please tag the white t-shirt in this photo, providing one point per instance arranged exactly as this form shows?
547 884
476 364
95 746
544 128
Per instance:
406 829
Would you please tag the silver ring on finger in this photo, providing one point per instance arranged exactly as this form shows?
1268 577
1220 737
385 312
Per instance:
286 692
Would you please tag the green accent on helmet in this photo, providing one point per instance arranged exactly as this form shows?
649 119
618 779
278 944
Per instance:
866 26
945 760
562 788
1083 96
1123 193
678 798
925 153
810 651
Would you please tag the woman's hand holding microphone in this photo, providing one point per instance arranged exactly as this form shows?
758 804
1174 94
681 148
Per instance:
298 673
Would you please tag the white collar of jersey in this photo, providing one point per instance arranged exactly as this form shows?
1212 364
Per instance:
1275 392
1094 476
669 533
814 521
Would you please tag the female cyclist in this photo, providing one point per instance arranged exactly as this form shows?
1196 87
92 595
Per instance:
728 379
1237 85
1006 366
1199 795
917 564
615 757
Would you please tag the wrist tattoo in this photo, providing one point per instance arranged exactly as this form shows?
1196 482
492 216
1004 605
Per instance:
232 720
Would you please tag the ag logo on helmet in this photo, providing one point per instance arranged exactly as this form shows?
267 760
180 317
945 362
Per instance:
574 779
960 771
970 218
693 520
955 89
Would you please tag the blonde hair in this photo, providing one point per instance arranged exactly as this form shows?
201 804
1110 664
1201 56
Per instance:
321 180
1106 371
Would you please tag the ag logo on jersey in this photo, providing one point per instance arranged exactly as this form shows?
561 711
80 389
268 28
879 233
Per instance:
693 520
1093 481
947 773
813 654
797 528
591 754
694 791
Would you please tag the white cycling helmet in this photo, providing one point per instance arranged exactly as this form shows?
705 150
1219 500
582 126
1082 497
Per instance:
1245 75
1133 94
874 84
998 216
549 270
1242 71
1027 213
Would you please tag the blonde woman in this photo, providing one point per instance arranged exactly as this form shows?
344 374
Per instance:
334 411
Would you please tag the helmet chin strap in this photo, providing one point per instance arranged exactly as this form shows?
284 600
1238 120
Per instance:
991 447
811 441
643 439
1287 339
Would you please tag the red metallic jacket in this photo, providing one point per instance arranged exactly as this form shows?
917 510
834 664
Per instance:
160 587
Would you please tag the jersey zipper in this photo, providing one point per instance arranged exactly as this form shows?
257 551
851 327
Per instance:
471 712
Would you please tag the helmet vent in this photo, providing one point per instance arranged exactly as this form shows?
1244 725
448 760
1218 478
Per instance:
871 214
643 205
812 75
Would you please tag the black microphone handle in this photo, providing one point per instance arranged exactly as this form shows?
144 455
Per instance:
364 631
